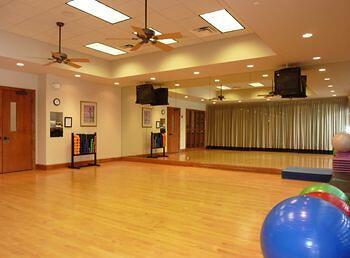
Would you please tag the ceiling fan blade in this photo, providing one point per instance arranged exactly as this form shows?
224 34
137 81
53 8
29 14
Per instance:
137 46
81 60
162 46
50 63
139 31
175 35
121 38
73 65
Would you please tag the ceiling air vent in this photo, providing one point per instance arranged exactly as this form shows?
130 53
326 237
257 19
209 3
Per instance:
205 31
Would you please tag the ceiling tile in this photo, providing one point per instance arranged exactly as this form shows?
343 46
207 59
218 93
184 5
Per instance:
177 12
15 12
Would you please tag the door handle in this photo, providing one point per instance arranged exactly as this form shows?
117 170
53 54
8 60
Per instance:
6 139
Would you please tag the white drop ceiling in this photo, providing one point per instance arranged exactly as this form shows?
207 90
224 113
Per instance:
37 19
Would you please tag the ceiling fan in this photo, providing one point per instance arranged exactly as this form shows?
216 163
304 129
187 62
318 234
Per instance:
60 57
147 35
219 97
271 94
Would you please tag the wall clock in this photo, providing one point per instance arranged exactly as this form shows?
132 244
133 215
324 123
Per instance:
56 101
162 112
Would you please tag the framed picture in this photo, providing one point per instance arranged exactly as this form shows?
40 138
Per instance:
147 117
68 122
88 114
162 122
157 124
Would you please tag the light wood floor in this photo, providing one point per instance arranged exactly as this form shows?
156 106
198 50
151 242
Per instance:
279 160
127 210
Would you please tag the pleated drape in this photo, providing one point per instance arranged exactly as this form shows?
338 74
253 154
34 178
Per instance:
306 124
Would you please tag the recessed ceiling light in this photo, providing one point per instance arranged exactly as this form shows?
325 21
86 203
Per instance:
334 95
177 84
307 35
265 75
316 58
223 87
250 66
256 84
116 83
330 86
327 79
164 41
332 91
216 80
186 97
322 69
77 75
99 10
202 100
20 64
196 73
106 49
152 78
222 20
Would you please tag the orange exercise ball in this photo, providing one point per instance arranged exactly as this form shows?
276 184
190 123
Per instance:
341 142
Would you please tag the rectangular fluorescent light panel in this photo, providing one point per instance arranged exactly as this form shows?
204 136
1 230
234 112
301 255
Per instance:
164 41
106 49
223 87
256 84
99 10
222 20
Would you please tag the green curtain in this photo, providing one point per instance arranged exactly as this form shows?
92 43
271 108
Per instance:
307 124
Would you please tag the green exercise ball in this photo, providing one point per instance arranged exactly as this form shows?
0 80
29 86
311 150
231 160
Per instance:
327 188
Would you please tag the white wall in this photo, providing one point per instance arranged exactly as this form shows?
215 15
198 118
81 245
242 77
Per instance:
135 139
71 92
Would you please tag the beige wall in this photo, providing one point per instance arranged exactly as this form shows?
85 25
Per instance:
71 92
135 139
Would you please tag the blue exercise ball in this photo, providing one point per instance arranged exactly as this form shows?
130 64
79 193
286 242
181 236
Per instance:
305 227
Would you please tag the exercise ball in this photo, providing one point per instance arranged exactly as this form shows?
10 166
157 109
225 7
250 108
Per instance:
305 227
335 200
341 142
326 188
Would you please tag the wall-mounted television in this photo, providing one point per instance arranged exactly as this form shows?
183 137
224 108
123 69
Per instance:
146 94
289 83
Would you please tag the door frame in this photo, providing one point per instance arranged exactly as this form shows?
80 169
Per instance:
179 127
33 121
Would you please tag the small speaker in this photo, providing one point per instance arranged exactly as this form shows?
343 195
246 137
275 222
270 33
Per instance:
160 97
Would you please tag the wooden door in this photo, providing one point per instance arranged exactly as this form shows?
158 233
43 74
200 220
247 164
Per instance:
173 122
1 136
195 128
17 130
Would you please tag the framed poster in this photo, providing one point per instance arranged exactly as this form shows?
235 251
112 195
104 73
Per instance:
146 117
88 114
68 122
